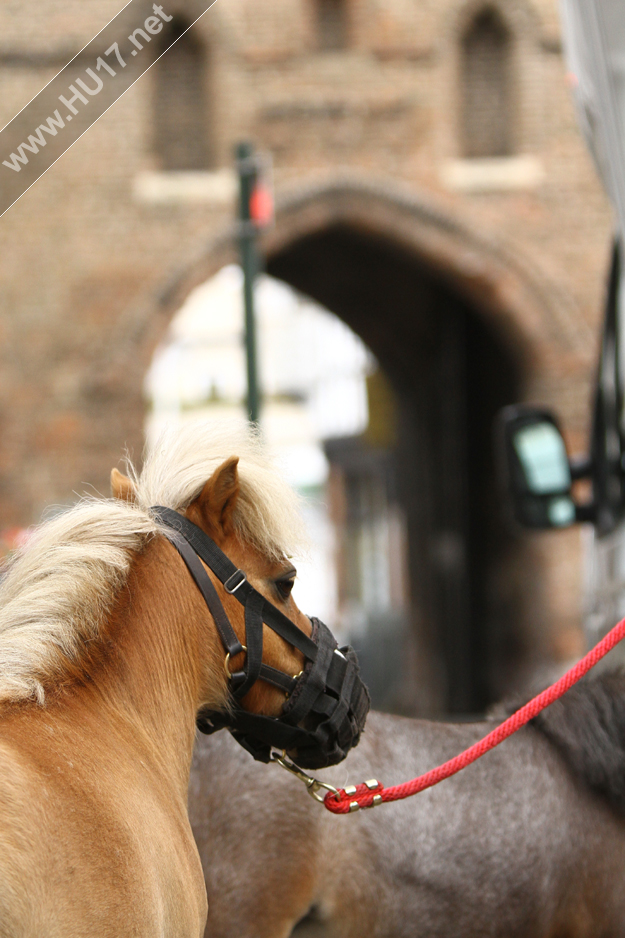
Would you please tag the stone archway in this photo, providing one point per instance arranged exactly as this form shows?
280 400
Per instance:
523 304
463 326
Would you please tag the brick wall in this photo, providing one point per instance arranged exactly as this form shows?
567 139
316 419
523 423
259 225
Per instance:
89 275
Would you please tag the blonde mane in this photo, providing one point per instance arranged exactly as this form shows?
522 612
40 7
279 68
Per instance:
58 590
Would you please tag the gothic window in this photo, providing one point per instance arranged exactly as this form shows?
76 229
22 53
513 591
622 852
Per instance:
486 94
180 105
331 24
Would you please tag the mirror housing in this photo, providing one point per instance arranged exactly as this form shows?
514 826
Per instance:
536 468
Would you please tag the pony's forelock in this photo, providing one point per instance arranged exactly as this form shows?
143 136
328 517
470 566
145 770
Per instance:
60 586
176 468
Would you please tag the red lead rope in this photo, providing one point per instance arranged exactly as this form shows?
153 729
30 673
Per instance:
372 793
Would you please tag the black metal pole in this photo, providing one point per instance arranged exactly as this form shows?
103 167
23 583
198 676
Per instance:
246 166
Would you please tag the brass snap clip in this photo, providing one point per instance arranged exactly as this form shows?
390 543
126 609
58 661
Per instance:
314 786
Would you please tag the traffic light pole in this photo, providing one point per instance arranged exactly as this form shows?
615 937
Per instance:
246 166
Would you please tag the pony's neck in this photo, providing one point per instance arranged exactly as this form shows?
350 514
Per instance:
164 654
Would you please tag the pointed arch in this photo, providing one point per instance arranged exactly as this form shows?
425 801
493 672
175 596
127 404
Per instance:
529 309
464 324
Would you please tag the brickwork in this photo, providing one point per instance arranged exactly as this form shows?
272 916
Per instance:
89 276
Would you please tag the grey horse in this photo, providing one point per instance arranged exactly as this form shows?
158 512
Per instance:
528 842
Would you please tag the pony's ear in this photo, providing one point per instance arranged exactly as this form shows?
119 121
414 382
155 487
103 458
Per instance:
122 487
214 507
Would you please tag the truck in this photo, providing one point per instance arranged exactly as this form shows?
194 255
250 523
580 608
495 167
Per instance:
546 487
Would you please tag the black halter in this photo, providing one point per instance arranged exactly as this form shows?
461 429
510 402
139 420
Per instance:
327 703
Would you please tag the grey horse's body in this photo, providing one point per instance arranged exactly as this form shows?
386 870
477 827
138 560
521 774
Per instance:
516 845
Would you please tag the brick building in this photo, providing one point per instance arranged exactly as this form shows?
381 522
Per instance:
432 190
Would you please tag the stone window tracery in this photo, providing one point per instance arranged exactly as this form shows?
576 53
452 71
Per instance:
331 24
486 123
180 115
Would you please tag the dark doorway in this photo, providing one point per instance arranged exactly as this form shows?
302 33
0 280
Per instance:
451 374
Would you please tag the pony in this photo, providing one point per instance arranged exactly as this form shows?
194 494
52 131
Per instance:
107 653
528 842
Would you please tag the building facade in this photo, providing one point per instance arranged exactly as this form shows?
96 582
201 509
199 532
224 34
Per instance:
432 190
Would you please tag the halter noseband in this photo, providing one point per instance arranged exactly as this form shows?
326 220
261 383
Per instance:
327 702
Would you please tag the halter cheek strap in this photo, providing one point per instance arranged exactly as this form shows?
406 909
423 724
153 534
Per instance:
243 680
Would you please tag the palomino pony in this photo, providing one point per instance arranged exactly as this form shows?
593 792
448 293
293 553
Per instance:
529 842
107 652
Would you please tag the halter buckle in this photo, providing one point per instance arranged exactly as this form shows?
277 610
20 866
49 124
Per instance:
232 589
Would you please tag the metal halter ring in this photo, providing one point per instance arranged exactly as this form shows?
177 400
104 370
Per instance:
296 677
227 659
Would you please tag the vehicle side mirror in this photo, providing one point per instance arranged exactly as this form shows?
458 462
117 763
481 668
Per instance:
536 467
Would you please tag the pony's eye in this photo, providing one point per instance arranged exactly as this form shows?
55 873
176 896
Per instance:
285 587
